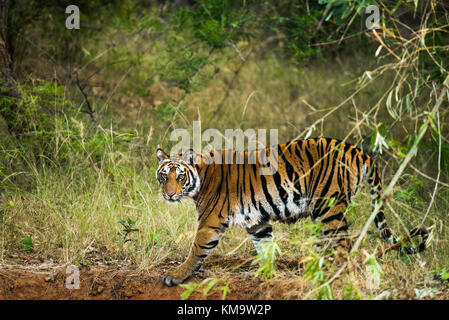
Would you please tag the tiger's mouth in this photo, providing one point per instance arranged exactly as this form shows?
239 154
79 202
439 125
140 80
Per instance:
172 199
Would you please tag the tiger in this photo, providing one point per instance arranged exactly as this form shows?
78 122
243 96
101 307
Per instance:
314 178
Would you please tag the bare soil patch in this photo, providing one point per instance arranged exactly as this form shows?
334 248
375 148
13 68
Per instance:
113 282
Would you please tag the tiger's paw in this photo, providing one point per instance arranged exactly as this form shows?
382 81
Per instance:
171 279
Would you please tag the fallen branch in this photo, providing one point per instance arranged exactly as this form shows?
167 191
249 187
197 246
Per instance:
396 246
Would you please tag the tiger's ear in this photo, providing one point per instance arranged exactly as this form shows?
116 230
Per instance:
190 156
161 155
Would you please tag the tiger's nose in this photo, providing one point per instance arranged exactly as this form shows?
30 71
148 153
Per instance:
170 194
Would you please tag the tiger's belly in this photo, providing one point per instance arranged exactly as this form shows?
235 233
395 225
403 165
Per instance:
256 209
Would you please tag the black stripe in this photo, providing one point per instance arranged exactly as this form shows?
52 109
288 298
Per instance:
343 228
338 216
309 157
359 170
348 180
329 180
320 172
216 196
268 196
264 232
210 245
288 168
265 214
253 199
298 152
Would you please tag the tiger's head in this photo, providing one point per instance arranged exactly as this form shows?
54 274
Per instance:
177 175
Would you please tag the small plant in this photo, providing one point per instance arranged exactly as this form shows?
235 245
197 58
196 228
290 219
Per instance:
378 141
267 259
350 293
129 226
315 271
153 240
442 275
27 244
373 271
314 227
208 284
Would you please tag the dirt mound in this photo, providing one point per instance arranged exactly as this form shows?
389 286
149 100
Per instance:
101 282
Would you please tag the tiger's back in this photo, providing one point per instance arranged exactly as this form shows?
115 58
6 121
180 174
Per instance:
309 172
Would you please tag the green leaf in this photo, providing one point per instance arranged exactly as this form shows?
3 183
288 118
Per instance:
211 283
225 289
27 244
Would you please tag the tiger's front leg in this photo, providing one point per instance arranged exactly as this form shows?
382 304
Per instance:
260 235
207 237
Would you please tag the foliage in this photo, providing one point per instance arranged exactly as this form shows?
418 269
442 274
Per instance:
129 226
27 244
267 259
207 285
218 23
47 128
373 271
50 18
315 271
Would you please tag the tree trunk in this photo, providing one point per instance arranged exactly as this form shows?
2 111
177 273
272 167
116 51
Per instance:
8 79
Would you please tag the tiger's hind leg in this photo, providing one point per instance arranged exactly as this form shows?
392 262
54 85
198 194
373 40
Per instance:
261 234
335 233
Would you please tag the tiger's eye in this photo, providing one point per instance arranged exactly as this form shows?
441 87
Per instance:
181 177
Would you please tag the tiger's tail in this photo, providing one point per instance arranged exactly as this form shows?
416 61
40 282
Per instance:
375 183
